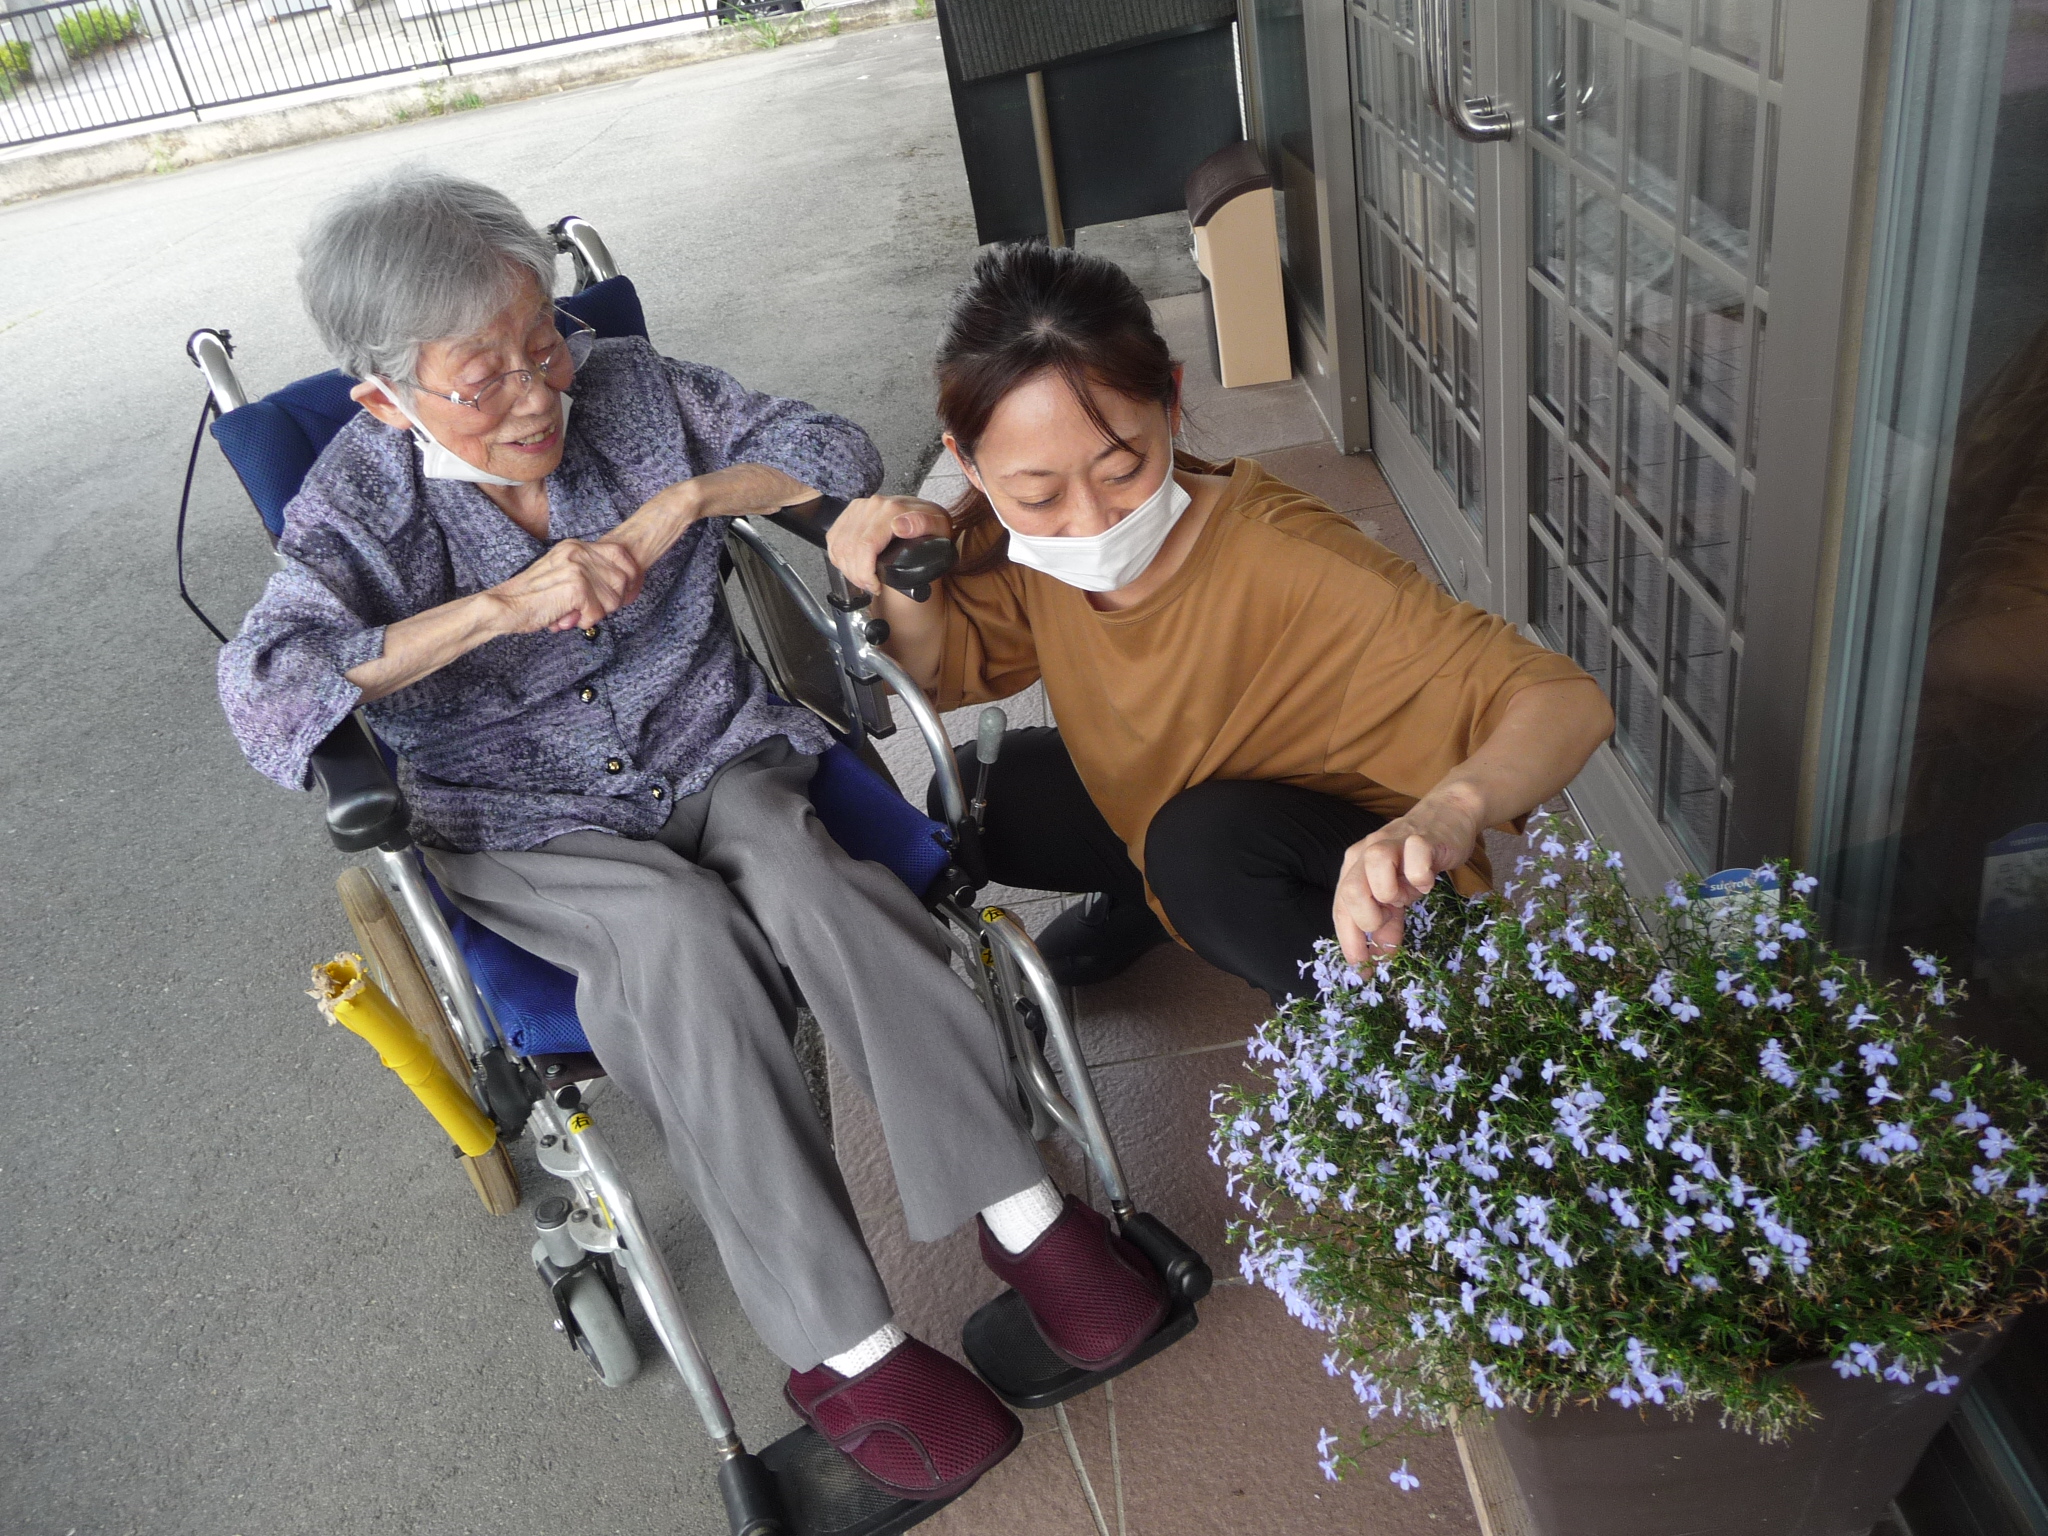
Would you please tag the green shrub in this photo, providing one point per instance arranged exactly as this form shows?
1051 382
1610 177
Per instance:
16 60
1541 1155
88 31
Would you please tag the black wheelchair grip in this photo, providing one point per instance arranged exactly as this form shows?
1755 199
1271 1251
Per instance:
364 807
908 565
912 565
812 521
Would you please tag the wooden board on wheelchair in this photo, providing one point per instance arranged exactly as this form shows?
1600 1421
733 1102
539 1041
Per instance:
398 971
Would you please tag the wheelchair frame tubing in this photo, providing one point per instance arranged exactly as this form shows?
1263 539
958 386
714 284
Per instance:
459 995
1003 954
598 1179
1017 961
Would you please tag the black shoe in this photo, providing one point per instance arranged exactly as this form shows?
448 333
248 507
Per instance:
1097 938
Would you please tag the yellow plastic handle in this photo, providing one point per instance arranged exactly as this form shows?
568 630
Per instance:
349 997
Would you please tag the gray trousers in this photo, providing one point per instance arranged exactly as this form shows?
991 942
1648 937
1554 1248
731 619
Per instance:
678 946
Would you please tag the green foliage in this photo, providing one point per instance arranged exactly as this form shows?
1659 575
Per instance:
1542 1156
437 103
17 61
87 31
762 31
832 25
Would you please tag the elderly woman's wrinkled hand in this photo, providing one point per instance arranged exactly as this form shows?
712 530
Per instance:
573 586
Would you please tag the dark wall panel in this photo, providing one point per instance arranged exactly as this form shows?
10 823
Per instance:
1127 128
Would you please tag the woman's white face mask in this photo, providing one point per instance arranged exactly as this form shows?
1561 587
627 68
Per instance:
1113 558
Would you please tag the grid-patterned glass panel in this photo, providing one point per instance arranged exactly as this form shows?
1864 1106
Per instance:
1419 219
1653 136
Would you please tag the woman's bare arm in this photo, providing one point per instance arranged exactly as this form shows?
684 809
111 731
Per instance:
1543 740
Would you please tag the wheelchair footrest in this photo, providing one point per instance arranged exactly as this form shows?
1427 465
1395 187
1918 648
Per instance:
1006 1348
824 1494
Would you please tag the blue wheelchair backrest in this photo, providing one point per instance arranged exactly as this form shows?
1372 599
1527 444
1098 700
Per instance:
273 442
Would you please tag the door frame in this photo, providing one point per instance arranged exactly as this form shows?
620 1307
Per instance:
1820 221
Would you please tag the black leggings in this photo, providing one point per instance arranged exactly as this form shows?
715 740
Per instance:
1245 870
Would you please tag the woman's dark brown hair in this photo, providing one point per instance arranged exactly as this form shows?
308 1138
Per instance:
1029 308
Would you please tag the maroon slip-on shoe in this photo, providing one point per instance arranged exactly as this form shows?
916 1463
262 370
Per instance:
916 1423
1093 1296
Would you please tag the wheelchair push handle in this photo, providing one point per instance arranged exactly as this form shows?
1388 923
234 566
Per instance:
908 565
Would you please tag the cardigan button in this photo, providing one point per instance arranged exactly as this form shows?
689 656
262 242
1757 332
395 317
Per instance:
613 765
590 633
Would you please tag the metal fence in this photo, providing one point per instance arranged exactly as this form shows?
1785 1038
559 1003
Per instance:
78 65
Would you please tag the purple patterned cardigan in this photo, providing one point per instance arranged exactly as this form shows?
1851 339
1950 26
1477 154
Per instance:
531 736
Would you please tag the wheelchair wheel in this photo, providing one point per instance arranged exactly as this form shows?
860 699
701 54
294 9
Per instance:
605 1340
398 971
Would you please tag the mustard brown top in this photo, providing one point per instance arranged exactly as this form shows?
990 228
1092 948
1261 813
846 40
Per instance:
1288 648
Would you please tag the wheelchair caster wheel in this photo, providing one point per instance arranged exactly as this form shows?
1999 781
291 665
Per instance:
604 1340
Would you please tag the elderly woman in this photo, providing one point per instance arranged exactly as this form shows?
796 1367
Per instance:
523 600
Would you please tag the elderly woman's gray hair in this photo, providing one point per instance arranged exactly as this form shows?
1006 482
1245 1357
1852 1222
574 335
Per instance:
413 257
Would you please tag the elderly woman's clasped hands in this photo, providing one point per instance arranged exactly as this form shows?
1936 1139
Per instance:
576 584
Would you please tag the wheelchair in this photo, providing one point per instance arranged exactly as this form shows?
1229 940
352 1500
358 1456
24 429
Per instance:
503 1022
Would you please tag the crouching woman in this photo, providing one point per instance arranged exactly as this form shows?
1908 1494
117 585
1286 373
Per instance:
1271 730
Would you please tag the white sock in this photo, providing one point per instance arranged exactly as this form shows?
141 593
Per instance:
1021 1219
868 1351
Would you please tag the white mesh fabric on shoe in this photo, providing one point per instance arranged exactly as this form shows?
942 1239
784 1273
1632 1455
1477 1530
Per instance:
1021 1219
869 1351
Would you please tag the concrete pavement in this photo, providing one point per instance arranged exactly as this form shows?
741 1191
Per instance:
243 1290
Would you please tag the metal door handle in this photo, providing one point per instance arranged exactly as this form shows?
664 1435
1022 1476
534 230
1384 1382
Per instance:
1473 117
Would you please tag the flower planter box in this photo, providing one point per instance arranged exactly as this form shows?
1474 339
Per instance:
1613 1471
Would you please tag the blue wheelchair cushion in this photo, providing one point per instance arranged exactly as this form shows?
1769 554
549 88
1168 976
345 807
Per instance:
273 442
535 1002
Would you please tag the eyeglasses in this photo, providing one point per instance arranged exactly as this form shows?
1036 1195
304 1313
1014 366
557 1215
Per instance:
494 397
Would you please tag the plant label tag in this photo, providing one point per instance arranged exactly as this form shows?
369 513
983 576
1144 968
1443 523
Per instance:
1729 900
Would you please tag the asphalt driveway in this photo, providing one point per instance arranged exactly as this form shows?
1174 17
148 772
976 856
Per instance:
244 1292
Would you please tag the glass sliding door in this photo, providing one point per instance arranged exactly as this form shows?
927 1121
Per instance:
1649 155
1419 244
1570 326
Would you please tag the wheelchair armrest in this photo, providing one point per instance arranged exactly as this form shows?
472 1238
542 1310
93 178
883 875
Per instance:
364 807
811 521
908 565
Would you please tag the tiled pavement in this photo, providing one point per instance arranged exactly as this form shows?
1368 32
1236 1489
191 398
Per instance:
1216 1435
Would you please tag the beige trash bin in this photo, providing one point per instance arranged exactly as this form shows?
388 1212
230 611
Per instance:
1237 251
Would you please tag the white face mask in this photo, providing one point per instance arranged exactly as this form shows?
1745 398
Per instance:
439 463
1113 558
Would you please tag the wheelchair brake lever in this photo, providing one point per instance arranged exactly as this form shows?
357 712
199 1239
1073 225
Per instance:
988 742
